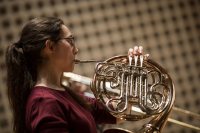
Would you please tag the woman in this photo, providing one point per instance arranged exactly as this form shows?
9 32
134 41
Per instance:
35 65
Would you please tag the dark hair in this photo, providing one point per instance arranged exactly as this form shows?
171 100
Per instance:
22 60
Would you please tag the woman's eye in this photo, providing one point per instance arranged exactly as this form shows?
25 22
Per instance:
70 40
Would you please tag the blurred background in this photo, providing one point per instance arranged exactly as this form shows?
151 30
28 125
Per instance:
169 30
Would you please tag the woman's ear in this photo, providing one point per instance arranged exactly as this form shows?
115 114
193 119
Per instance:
48 49
49 45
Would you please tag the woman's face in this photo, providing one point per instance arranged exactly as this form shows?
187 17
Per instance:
65 51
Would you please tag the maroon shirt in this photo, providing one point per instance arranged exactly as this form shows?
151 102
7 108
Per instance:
53 111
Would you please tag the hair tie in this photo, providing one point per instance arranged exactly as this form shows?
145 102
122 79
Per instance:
19 45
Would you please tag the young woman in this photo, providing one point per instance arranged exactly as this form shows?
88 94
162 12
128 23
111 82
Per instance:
35 65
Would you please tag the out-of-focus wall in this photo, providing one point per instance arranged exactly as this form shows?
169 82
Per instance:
167 29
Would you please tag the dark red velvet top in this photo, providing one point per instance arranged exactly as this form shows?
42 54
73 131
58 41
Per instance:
53 111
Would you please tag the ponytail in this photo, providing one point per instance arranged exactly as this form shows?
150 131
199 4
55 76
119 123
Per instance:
19 83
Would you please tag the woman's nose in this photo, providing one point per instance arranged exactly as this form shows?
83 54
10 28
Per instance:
75 50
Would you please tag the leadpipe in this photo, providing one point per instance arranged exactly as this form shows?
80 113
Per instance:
87 61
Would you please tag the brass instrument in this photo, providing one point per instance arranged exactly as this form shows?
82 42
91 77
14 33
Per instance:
133 89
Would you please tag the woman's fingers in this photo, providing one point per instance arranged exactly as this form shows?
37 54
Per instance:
137 50
140 50
130 52
136 54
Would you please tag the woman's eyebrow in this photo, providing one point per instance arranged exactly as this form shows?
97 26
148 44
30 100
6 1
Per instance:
70 35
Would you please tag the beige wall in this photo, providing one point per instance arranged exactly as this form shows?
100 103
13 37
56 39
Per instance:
167 29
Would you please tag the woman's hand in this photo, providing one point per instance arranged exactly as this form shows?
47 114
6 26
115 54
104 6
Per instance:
135 54
78 87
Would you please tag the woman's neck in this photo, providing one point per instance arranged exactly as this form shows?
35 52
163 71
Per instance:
49 78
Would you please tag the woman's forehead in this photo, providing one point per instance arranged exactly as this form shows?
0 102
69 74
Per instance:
66 31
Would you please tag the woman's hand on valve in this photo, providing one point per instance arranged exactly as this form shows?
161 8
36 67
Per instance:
136 54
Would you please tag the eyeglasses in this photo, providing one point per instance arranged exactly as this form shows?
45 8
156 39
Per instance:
70 40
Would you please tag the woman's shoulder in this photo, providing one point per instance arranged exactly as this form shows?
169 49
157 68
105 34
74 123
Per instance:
41 91
45 94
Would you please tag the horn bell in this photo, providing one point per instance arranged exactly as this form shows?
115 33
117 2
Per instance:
134 89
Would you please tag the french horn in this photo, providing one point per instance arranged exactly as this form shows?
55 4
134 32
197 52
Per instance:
133 88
